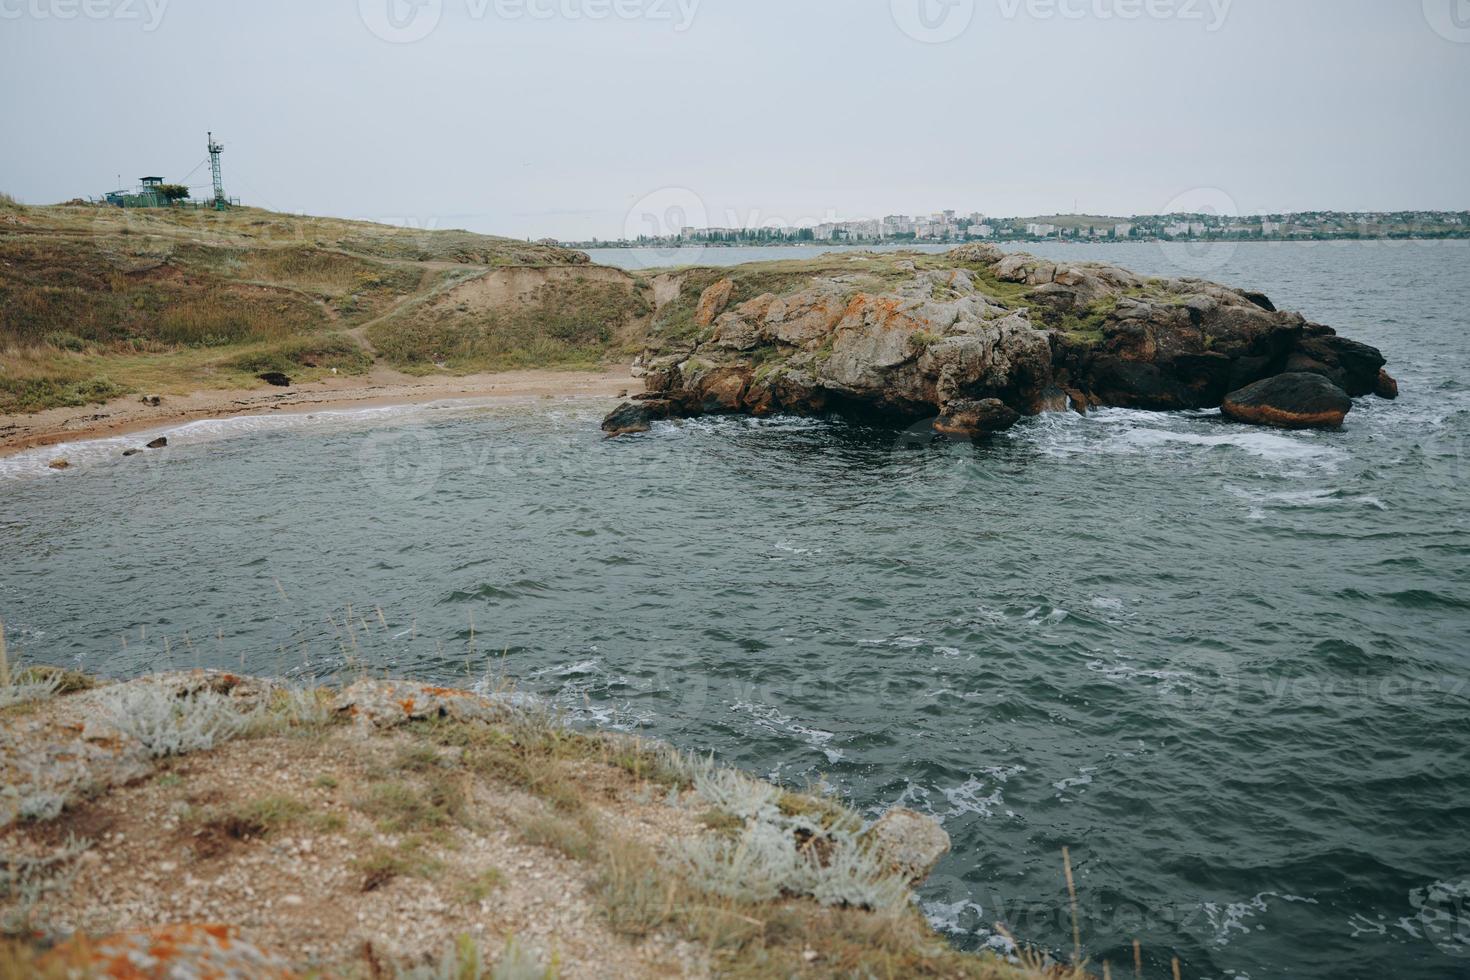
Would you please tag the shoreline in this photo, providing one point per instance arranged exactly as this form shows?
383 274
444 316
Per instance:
306 822
379 388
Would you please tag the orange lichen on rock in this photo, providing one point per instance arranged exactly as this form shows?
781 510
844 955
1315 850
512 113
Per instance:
203 951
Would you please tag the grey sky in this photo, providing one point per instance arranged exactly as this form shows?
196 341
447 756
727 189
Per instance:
553 117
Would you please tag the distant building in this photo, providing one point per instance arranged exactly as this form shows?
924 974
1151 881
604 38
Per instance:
148 195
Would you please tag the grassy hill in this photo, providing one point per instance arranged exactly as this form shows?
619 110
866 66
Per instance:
97 302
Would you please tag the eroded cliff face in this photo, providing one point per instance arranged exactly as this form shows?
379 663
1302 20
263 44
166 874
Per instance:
976 338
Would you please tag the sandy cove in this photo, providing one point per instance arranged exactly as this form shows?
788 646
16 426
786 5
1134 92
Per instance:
382 386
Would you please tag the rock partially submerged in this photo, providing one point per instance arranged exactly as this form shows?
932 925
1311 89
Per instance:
1290 401
975 338
909 843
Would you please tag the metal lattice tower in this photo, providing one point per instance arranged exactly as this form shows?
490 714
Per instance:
215 150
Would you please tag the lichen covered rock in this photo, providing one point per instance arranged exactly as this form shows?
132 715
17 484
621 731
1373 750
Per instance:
908 336
166 953
909 843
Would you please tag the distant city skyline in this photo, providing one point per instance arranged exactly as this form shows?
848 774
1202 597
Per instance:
952 225
574 118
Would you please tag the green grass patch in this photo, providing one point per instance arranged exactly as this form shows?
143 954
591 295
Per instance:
322 353
571 323
483 885
400 807
382 865
33 394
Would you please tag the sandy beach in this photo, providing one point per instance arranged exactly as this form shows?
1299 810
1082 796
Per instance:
382 386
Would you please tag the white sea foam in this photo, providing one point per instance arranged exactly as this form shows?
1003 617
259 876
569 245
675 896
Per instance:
1232 918
1261 502
1121 672
982 793
1065 786
966 918
1121 431
86 453
775 721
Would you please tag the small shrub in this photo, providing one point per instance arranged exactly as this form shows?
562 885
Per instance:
485 884
537 774
382 865
300 708
464 960
785 850
570 838
638 896
166 724
291 356
400 807
26 686
245 821
24 881
32 394
417 758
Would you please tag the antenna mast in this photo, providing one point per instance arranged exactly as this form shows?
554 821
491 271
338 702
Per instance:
215 150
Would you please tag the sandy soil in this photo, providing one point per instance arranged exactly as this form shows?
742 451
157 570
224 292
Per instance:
382 386
355 850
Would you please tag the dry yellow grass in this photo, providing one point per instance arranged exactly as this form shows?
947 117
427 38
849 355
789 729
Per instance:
367 849
96 301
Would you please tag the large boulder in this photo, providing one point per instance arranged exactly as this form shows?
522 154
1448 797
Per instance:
972 419
1290 401
638 416
1353 367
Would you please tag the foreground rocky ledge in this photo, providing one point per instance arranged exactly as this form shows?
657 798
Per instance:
977 338
203 823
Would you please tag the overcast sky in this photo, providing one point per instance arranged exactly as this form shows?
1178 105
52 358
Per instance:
580 118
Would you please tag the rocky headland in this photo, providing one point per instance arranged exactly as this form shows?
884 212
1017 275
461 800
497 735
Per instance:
977 338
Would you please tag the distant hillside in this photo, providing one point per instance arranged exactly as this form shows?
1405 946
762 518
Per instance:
96 301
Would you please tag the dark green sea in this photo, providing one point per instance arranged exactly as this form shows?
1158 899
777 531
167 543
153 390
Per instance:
1228 667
